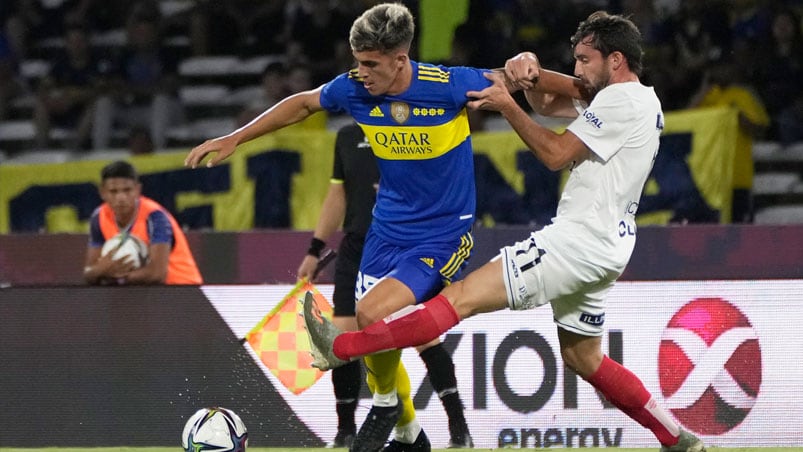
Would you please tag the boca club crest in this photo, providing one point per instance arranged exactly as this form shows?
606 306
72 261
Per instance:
400 112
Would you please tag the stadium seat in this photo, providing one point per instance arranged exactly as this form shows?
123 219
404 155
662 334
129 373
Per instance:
208 66
496 123
766 150
335 122
244 95
111 38
202 129
203 95
794 151
106 154
169 8
40 157
775 183
34 69
254 66
20 130
61 134
791 214
48 46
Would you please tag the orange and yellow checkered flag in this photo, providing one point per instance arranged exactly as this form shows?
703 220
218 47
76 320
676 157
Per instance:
281 341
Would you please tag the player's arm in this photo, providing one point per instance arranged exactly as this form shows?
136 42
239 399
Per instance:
548 92
555 95
289 110
333 212
556 151
93 271
161 238
155 270
99 269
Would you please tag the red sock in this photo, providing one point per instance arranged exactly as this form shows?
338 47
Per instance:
624 389
411 326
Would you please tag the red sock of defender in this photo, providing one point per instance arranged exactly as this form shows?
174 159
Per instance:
411 326
624 389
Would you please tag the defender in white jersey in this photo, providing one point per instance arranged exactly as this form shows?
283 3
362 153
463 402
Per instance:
592 237
572 263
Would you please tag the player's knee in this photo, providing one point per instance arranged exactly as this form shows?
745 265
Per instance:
572 360
466 303
456 295
582 363
364 318
345 323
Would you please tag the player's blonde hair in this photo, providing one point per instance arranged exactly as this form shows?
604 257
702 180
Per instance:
385 27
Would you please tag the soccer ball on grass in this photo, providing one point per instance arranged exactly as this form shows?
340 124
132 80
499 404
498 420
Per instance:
214 429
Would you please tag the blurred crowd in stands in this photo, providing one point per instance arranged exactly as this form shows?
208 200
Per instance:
92 90
84 76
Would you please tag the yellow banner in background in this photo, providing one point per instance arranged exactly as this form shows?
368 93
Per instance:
16 180
309 186
233 209
713 134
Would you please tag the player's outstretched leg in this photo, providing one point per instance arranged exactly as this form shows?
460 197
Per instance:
627 392
686 443
322 334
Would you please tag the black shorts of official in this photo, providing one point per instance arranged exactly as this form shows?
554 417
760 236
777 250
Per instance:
347 267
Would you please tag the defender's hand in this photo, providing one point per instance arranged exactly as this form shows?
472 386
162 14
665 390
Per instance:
224 147
523 70
495 97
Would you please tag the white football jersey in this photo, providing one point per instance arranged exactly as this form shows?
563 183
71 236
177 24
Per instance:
621 126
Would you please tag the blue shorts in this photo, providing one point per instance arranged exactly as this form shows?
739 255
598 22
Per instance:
425 268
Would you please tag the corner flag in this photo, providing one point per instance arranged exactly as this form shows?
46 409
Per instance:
281 342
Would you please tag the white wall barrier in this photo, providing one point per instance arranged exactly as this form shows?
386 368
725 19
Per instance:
725 357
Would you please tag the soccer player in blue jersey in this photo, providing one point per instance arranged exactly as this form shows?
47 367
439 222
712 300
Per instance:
350 203
414 117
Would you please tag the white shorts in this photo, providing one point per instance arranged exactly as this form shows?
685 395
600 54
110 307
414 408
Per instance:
552 267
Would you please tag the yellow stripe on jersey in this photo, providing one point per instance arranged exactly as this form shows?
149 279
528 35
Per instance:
354 75
432 74
391 142
459 257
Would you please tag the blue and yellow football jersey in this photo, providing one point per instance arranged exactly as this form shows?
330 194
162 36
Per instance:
422 142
